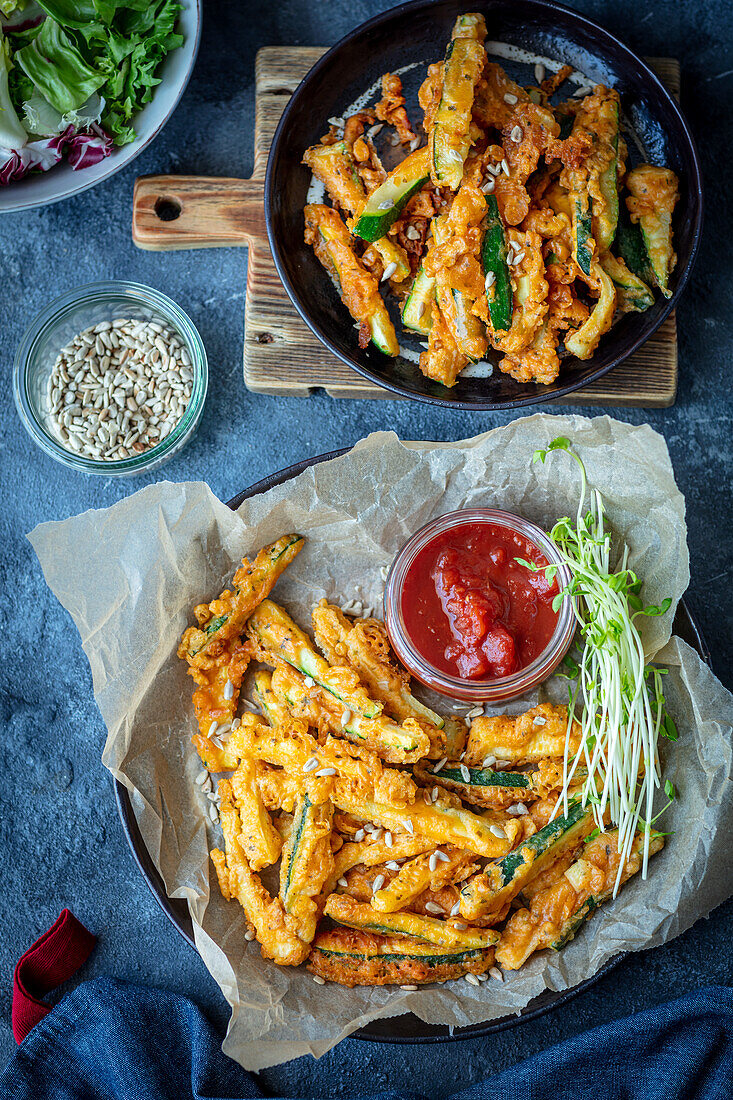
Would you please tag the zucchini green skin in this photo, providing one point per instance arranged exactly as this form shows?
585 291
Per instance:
300 821
583 244
458 956
384 206
606 225
398 924
481 777
541 843
494 260
417 312
633 292
631 247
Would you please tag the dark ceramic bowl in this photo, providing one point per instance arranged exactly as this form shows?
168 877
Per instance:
406 1028
416 33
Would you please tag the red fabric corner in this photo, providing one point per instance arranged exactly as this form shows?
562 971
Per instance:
50 961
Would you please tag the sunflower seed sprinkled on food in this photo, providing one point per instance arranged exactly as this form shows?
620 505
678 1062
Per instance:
494 169
374 130
433 862
207 785
442 856
517 134
384 569
539 72
412 233
435 794
482 977
488 187
488 762
388 839
393 865
228 690
474 712
343 882
432 907
471 979
409 988
213 728
539 721
465 774
394 139
311 764
309 681
377 835
336 121
503 763
378 883
213 815
496 830
346 717
409 826
249 935
201 778
456 909
496 973
582 91
441 764
323 772
414 144
510 99
505 167
519 256
118 389
359 835
318 979
510 257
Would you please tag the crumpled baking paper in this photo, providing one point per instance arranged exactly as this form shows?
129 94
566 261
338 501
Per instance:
131 574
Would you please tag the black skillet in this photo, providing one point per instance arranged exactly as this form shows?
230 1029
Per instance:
417 32
396 1029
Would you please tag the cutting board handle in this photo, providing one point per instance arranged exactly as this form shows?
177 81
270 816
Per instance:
175 212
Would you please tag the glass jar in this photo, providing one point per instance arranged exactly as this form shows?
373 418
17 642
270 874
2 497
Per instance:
58 324
455 687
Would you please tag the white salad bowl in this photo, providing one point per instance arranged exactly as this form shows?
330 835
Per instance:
61 181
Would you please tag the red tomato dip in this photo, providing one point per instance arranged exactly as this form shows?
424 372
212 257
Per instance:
471 609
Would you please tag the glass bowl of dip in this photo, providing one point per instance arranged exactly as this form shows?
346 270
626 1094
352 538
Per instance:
466 618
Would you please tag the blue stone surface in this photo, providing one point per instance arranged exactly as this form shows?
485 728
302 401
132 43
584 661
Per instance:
60 837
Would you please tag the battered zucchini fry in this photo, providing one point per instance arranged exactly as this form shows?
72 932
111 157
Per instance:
306 864
225 617
556 913
283 640
489 894
278 939
372 853
352 958
394 744
259 839
418 875
538 733
293 748
443 824
354 914
363 645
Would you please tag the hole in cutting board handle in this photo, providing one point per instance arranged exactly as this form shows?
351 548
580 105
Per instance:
168 209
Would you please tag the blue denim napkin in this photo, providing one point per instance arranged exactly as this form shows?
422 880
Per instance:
112 1040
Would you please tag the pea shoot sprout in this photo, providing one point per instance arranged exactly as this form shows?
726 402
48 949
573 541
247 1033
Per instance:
621 697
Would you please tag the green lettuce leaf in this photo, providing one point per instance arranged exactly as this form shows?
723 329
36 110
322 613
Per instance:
12 131
57 68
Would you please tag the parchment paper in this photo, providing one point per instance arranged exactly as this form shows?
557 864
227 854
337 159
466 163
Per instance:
131 574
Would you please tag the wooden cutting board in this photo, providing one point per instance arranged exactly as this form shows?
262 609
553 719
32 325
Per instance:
281 355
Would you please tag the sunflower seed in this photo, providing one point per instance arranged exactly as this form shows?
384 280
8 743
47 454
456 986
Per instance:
510 99
431 907
539 72
517 134
496 973
471 979
389 271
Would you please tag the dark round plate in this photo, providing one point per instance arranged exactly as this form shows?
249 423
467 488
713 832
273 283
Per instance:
395 1029
415 33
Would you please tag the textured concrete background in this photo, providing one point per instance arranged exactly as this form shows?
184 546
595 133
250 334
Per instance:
59 834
